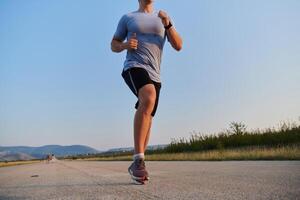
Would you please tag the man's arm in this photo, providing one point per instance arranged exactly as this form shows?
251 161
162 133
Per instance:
118 45
173 36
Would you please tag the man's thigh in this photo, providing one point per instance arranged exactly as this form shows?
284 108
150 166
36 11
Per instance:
152 90
147 93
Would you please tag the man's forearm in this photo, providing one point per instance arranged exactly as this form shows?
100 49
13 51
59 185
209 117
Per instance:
117 46
174 38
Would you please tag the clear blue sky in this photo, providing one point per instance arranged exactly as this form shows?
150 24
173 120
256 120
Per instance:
61 84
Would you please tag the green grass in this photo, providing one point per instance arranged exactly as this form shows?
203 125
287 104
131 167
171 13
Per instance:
237 136
291 152
235 143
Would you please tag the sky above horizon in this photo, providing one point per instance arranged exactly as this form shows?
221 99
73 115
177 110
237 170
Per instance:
61 84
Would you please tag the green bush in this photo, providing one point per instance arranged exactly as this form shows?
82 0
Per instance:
237 136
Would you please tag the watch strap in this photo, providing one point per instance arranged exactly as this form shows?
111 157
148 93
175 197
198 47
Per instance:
169 26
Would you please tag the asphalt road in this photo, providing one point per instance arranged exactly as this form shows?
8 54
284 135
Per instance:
169 180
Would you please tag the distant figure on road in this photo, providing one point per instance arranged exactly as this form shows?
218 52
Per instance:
145 31
49 158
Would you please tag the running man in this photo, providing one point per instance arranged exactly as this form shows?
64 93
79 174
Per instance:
145 31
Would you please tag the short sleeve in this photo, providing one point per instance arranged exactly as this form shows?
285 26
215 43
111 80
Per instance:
121 31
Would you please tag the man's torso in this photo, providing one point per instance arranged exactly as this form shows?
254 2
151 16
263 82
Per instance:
151 37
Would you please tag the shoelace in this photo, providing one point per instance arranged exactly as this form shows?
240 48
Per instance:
140 163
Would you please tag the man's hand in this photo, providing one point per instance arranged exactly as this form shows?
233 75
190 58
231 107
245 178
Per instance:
164 17
118 45
132 43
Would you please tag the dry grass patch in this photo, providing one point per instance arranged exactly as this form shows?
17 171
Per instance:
13 163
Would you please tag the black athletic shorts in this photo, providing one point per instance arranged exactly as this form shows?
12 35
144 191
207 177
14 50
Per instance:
136 78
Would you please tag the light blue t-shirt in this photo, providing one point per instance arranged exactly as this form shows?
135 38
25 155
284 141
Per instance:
151 38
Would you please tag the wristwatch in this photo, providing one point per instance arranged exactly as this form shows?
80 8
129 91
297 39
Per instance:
169 26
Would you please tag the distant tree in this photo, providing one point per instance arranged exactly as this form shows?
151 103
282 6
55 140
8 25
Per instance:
237 128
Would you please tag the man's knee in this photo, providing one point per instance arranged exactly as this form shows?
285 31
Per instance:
148 102
147 97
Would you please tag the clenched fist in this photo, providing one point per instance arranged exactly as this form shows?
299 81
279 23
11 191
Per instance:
164 17
132 43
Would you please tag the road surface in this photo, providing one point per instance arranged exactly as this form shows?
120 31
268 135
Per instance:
169 180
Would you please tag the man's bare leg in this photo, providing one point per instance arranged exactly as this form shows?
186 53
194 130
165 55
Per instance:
142 118
148 135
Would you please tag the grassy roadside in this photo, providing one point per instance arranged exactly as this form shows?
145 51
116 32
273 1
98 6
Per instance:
235 143
14 163
291 152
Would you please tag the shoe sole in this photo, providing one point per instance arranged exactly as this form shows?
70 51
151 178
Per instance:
138 180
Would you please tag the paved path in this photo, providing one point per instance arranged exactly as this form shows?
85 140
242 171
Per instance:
169 180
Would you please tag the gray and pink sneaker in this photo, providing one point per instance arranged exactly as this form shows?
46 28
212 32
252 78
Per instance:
138 171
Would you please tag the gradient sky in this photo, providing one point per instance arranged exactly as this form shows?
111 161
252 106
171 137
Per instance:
61 84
